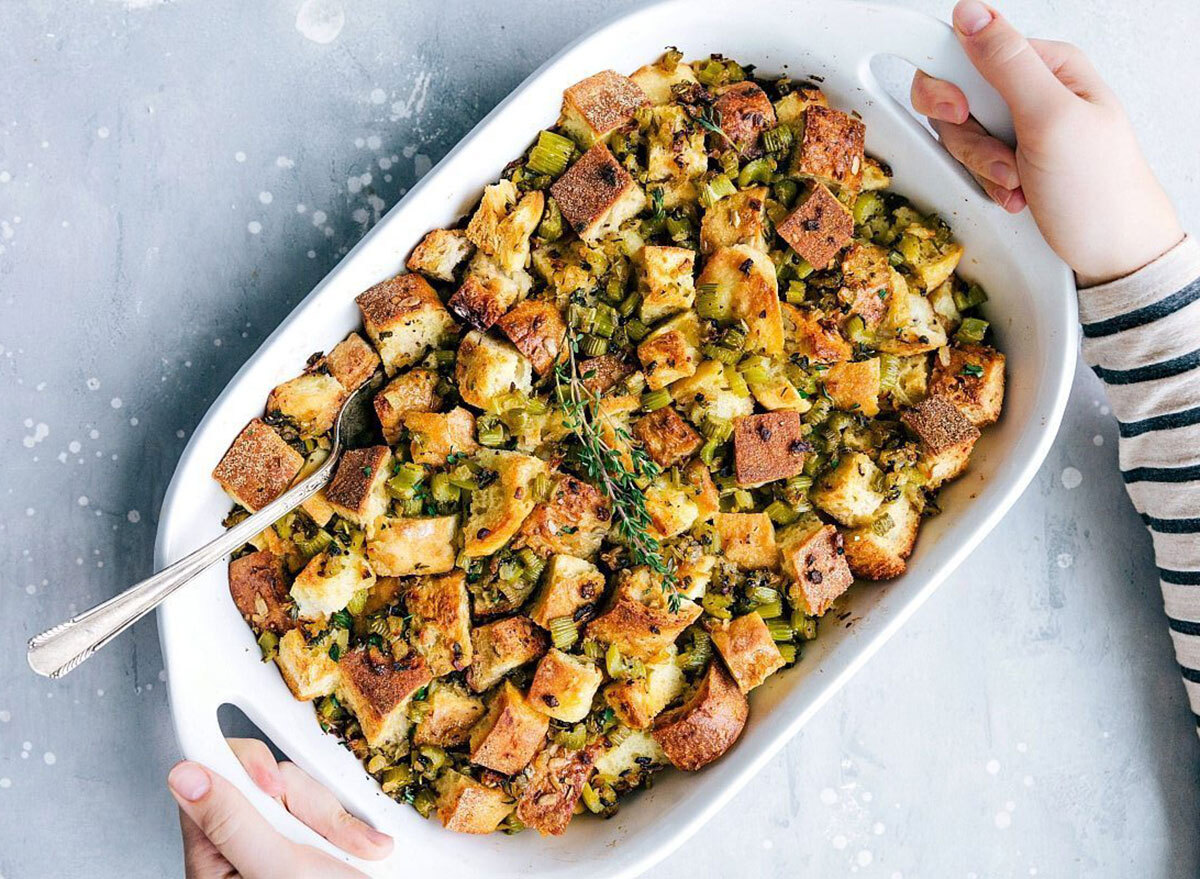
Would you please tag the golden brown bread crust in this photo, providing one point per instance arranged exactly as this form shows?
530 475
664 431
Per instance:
590 187
439 253
352 361
555 786
476 302
832 147
358 472
818 228
874 556
745 112
668 356
817 566
940 425
706 726
375 686
467 806
748 649
703 490
748 540
412 391
536 329
639 629
563 685
768 446
606 101
393 299
573 521
258 467
500 647
509 734
451 714
866 282
854 386
811 334
441 612
258 589
667 438
979 397
438 435
736 219
601 373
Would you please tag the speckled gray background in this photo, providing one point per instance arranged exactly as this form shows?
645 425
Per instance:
175 176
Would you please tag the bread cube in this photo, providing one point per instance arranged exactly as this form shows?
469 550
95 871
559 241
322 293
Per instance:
377 689
932 261
666 281
258 590
595 107
306 668
708 392
639 621
506 738
672 351
912 380
601 374
745 112
831 150
638 701
675 154
536 329
745 279
440 252
466 806
748 649
438 435
818 228
868 282
876 174
775 391
402 547
486 292
947 438
498 510
502 646
850 492
854 386
563 686
352 362
328 582
768 447
572 586
441 620
310 402
597 195
813 335
915 327
628 762
555 786
656 80
450 712
404 318
706 726
877 550
565 265
501 225
814 559
704 492
258 467
973 380
488 368
740 218
667 438
789 109
358 491
412 391
748 540
670 508
572 521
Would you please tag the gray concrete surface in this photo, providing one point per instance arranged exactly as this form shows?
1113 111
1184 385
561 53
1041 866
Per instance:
174 176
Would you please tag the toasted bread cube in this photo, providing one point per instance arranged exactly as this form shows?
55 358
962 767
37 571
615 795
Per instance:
306 668
438 435
947 438
942 300
789 109
377 689
563 686
831 150
594 108
708 392
667 438
352 362
704 491
776 391
868 282
487 292
748 540
501 225
814 559
745 112
258 467
818 228
506 738
627 763
402 547
440 253
502 646
932 262
441 611
878 549
666 281
328 582
498 510
488 368
748 649
638 701
597 195
555 786
258 590
310 401
810 333
565 265
466 806
915 327
849 493
768 447
670 508
601 374
672 351
572 586
573 521
675 156
973 380
656 81
412 391
854 386
706 726
450 712
639 621
912 379
358 491
740 218
317 508
536 329
404 318
745 279
875 175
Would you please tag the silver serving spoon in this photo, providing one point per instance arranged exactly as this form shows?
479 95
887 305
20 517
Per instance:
59 650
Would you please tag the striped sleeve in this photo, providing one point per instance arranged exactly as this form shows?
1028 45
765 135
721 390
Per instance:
1141 336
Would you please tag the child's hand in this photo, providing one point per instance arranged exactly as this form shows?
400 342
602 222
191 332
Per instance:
1077 163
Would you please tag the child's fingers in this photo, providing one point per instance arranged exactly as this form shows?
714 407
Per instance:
1073 69
983 155
259 764
938 99
313 804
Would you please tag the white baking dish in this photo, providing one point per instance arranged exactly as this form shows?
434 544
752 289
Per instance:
210 654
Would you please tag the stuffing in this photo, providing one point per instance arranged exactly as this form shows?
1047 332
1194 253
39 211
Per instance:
706 726
377 688
831 150
854 386
503 223
536 329
850 493
411 391
438 435
306 668
675 155
594 108
596 194
947 438
637 701
310 402
877 550
748 649
328 582
498 509
555 785
915 327
506 738
258 590
601 374
932 262
404 318
748 540
814 559
809 333
489 368
789 109
502 646
944 306
708 392
704 492
448 714
670 507
768 447
258 467
563 686
672 351
912 380
868 282
972 378
666 437
740 218
666 282
466 806
358 491
875 175
772 388
628 761
818 228
745 282
571 588
440 253
352 362
745 112
656 81
487 292
573 520
441 621
638 621
566 266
